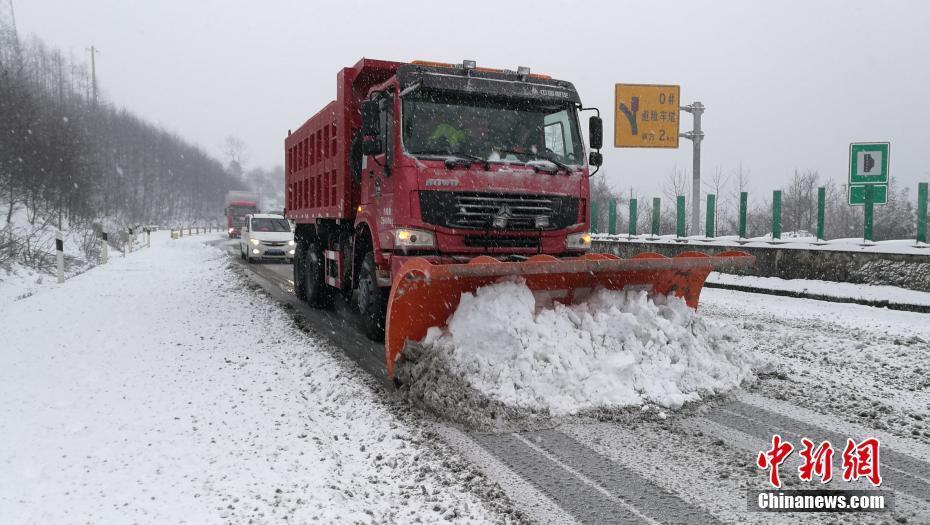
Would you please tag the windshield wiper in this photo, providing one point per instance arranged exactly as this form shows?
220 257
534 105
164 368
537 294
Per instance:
559 165
467 157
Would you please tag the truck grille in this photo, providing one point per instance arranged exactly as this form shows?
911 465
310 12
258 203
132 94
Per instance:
480 241
477 210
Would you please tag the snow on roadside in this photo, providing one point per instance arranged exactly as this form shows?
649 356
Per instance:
868 292
614 349
157 389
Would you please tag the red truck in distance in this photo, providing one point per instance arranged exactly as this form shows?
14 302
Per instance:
238 205
439 161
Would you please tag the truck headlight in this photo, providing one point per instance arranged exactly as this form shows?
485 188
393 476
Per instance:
410 238
291 243
254 242
578 241
232 230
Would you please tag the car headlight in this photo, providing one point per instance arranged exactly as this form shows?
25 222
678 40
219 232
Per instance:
254 242
410 238
578 241
291 242
232 230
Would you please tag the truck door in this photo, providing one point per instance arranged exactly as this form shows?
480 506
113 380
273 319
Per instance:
377 168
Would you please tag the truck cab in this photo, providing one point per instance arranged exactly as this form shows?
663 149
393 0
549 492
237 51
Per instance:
458 163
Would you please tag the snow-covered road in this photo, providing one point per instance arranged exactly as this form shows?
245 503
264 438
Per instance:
183 390
838 371
159 388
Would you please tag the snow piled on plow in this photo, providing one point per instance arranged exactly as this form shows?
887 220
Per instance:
616 349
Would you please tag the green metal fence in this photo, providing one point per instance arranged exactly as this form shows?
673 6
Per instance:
710 225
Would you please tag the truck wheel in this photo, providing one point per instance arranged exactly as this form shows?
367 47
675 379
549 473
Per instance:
300 287
318 294
372 300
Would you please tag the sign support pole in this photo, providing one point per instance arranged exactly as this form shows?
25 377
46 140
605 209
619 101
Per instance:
593 217
695 136
869 213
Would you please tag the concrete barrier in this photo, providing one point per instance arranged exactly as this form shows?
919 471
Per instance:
910 271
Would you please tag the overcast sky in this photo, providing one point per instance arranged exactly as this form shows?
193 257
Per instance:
786 84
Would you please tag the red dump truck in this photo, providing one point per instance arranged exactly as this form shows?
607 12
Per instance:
424 180
238 205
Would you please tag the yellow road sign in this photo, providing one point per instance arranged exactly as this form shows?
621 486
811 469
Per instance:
646 116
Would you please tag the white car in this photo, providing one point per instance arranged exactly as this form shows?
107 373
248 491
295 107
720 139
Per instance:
266 236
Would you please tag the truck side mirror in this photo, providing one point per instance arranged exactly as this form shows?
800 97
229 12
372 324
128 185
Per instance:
595 158
596 133
371 128
371 119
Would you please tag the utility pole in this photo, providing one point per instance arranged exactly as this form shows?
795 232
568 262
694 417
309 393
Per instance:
695 136
93 72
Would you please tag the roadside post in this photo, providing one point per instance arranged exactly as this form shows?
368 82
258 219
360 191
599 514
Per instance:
634 216
60 256
709 228
104 248
868 214
612 216
148 238
776 214
593 217
680 231
656 215
821 213
922 213
743 204
131 235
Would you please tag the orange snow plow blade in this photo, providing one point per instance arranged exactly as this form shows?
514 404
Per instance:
426 294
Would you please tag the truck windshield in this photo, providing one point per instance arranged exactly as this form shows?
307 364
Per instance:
270 225
238 214
506 131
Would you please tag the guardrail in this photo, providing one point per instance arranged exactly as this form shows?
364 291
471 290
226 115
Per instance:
177 233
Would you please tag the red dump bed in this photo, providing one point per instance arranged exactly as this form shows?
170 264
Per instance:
317 176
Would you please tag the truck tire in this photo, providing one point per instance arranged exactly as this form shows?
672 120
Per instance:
372 300
318 294
300 287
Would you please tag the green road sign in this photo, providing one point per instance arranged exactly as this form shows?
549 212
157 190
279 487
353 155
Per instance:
868 164
857 194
